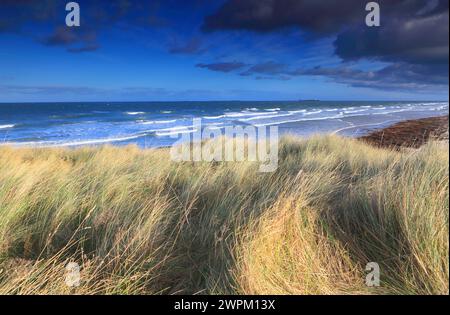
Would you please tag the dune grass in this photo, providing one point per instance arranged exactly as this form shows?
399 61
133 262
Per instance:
138 223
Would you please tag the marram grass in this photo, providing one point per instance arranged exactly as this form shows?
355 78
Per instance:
138 223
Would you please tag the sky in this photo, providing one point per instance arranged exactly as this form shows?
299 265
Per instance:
203 50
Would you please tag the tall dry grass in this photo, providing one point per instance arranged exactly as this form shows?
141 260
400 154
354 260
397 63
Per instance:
138 223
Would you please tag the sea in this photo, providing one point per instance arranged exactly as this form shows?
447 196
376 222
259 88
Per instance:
159 124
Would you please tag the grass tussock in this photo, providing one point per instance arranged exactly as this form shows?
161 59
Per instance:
138 223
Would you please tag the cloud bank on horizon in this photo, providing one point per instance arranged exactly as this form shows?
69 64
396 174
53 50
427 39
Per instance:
232 47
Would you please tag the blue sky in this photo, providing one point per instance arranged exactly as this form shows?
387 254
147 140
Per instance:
170 50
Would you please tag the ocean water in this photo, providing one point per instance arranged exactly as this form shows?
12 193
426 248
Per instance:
155 124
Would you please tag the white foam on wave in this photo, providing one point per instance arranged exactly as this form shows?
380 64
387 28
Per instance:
171 129
393 111
236 115
156 122
50 144
313 112
135 113
184 129
350 112
359 126
213 117
298 120
245 114
175 132
298 111
7 126
265 117
273 109
433 103
355 111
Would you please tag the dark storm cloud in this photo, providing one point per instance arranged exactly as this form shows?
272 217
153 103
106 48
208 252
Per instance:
413 36
397 76
222 66
412 30
327 16
16 15
312 15
422 39
262 71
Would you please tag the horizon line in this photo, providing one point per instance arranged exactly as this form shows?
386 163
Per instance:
218 101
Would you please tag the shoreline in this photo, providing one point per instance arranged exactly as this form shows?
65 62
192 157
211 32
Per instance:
407 133
150 125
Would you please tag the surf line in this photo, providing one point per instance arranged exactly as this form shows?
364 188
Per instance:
358 126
